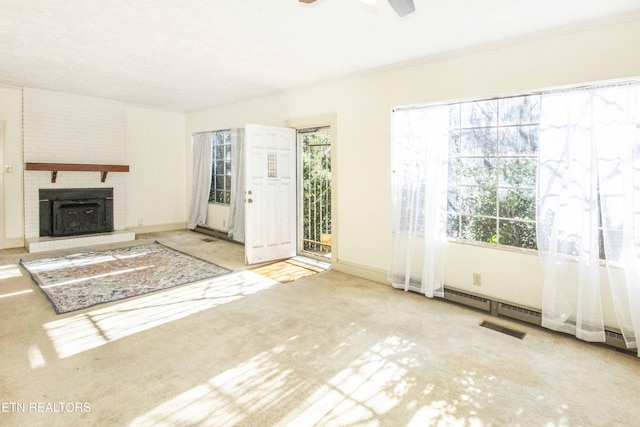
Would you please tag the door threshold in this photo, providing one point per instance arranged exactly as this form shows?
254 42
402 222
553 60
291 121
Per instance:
314 259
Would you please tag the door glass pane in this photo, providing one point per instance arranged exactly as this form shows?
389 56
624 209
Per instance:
315 217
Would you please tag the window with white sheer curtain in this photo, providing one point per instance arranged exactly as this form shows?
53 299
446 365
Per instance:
218 177
589 174
419 164
587 202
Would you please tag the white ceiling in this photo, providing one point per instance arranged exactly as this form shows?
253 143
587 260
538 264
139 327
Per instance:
184 55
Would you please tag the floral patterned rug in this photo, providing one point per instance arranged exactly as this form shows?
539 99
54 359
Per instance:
82 280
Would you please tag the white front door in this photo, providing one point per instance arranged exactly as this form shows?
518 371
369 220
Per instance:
270 195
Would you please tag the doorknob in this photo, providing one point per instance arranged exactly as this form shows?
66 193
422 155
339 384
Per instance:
250 201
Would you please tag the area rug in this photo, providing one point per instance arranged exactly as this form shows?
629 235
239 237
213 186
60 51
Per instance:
81 280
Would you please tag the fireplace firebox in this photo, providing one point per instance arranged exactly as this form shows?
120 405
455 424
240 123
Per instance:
75 211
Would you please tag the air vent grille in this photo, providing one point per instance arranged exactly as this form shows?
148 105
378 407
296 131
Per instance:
615 339
520 313
467 299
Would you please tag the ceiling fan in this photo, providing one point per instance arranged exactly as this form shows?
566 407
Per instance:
402 7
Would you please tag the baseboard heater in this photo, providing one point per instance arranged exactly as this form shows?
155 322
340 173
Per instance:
502 309
214 233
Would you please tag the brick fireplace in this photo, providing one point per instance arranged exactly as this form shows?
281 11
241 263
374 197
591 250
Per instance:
71 143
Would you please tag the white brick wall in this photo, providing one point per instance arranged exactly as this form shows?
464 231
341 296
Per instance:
66 128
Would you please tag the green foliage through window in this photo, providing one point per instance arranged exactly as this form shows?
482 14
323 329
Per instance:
493 151
221 168
316 192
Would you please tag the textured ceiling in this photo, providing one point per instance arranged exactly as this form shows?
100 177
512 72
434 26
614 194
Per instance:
184 55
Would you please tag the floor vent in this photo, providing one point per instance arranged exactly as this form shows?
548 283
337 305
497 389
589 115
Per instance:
503 329
208 240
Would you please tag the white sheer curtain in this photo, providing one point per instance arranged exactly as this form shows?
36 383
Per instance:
201 182
567 216
590 145
618 134
236 211
419 153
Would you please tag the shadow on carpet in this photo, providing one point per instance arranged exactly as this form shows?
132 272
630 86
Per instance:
81 280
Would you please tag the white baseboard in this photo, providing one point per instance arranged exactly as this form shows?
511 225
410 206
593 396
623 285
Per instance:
363 271
16 242
159 227
47 243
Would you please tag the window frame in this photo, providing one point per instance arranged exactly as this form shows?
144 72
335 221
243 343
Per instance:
496 157
220 192
541 93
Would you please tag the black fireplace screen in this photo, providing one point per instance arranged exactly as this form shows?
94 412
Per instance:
75 211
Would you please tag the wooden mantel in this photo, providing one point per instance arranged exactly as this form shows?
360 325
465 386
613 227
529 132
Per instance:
76 167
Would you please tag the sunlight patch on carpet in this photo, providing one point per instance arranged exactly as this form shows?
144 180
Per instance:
291 269
9 271
36 358
228 398
13 294
269 387
373 384
86 331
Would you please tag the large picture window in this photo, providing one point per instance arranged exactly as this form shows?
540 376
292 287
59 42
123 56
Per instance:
493 149
221 168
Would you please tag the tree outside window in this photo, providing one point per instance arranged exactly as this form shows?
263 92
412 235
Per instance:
493 150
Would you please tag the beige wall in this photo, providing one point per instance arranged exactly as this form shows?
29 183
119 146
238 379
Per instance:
156 189
11 114
363 104
218 217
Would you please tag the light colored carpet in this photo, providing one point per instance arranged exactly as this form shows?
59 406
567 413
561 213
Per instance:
327 349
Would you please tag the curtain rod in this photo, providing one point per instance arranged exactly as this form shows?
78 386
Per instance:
210 131
556 89
217 130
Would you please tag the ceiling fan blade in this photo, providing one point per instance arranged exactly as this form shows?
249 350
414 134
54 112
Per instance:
403 7
306 1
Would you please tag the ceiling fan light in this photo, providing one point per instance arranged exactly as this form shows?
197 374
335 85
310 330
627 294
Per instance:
403 7
370 5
